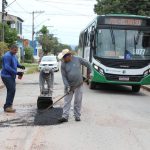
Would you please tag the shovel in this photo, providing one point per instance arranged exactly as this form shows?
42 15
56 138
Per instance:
51 104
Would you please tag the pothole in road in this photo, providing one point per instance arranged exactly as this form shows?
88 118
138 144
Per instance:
28 115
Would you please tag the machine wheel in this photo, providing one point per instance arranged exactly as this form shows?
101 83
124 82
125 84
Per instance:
136 88
92 85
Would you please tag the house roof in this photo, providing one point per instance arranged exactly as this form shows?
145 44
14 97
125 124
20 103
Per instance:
18 18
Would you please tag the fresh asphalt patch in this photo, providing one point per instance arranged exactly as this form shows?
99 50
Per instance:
30 116
49 117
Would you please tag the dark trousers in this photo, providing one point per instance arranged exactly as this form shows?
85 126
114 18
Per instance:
10 84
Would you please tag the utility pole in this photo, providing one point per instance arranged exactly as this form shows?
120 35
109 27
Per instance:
33 29
4 4
33 13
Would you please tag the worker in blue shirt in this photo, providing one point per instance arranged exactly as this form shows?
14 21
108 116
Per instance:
8 75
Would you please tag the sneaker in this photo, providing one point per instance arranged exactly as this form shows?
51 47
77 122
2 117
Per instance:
10 110
77 119
61 120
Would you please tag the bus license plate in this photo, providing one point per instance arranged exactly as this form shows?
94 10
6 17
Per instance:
124 78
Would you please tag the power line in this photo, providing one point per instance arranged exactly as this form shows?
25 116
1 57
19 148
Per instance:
37 15
78 15
21 7
17 11
74 13
54 14
60 8
11 3
64 3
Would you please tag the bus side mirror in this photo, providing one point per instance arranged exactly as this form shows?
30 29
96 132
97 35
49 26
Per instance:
91 36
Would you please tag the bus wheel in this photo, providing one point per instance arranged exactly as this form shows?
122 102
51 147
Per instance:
92 85
136 88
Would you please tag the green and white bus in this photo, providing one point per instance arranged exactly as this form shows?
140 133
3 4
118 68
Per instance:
118 47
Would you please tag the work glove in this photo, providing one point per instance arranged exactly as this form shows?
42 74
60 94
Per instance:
22 67
20 73
67 89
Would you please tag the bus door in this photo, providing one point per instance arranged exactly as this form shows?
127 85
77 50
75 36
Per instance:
86 51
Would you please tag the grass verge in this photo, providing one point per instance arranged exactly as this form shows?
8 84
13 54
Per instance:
32 70
28 65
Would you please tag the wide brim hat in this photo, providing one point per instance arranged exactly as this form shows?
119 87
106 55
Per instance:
63 53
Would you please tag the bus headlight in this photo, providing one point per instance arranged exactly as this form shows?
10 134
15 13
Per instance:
147 72
100 70
96 67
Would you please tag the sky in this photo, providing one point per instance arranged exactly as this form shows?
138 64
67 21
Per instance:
64 18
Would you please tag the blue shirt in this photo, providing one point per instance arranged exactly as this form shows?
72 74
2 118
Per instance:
9 65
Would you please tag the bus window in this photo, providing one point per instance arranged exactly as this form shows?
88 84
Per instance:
105 46
146 43
123 44
85 38
88 37
92 35
146 40
81 41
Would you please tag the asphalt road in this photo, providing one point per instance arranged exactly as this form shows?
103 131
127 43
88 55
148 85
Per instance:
113 118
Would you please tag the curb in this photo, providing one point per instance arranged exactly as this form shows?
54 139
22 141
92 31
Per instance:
146 88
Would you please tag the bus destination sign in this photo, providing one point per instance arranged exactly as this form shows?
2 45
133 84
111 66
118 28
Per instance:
123 21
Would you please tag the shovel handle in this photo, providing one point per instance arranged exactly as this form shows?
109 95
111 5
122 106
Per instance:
60 99
54 103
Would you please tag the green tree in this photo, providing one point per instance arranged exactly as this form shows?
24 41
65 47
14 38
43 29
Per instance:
137 7
44 30
50 43
10 35
28 54
3 49
46 40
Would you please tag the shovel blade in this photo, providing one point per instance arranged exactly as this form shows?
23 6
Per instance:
44 102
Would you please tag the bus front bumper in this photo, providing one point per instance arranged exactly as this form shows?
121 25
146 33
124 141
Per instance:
99 78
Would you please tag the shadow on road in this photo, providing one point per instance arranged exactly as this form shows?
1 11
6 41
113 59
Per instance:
117 89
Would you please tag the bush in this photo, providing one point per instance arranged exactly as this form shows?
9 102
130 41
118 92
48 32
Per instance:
28 55
32 70
3 49
28 61
0 62
29 65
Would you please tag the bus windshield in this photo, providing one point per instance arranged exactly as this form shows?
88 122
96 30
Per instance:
123 44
